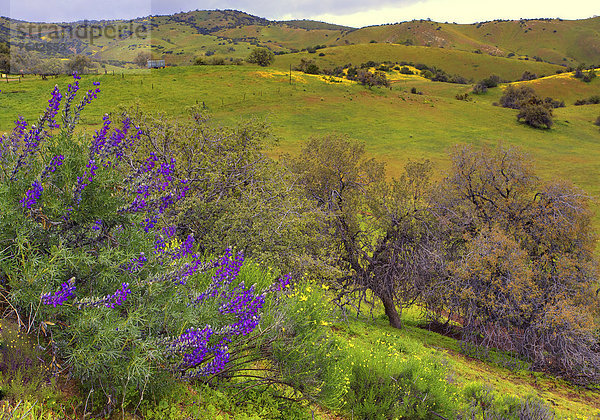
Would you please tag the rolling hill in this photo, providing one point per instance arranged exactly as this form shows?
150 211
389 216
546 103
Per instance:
229 34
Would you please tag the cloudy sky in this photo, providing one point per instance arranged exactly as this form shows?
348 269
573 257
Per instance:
355 13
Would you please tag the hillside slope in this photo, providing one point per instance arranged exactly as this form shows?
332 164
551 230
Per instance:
554 40
182 37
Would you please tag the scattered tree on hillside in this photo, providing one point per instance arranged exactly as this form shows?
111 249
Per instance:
4 58
79 64
307 66
50 66
536 115
533 110
141 60
520 271
597 122
261 56
370 79
377 230
527 75
591 75
516 97
483 85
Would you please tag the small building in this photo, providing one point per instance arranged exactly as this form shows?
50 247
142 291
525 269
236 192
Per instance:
156 64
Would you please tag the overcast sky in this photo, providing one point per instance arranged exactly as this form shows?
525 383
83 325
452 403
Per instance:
355 13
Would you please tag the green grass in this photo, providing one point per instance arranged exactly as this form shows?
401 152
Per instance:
395 124
466 64
374 342
554 40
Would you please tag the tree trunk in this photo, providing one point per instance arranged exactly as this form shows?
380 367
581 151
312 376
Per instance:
391 311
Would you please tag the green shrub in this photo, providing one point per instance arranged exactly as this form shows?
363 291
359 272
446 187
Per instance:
24 372
536 115
415 389
485 403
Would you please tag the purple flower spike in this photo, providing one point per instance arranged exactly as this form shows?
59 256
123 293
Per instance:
51 168
60 296
32 195
120 296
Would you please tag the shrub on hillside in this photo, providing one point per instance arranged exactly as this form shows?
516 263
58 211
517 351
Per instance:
93 261
523 276
589 76
491 82
536 115
307 66
261 56
370 79
592 100
479 88
527 75
516 97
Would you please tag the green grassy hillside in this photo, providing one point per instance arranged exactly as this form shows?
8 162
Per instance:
554 40
181 37
469 65
395 124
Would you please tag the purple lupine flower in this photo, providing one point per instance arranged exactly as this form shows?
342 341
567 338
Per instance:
53 106
109 301
155 190
120 296
32 195
66 290
51 167
185 248
181 274
228 269
99 139
169 231
135 264
18 132
97 225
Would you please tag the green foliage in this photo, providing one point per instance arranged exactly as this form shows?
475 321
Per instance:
395 376
535 115
408 392
79 64
486 403
310 358
238 195
261 56
24 372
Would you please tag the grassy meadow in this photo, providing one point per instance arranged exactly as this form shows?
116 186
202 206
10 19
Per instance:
395 124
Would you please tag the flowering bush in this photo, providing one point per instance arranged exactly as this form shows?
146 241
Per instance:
86 258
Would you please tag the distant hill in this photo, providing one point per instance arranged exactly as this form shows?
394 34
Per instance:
229 34
553 40
313 24
455 62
